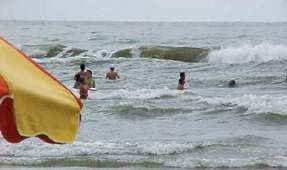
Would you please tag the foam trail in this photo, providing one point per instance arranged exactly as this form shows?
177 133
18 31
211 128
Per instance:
255 104
247 53
90 154
136 94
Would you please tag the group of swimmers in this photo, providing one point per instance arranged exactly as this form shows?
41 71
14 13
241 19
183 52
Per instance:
84 80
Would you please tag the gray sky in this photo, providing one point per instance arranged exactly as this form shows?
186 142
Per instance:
145 10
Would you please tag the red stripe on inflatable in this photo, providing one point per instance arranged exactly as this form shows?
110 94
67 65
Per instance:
7 122
8 126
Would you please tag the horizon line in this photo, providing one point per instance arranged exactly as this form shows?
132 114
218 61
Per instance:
146 21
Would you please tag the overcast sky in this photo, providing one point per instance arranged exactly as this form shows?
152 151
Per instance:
145 10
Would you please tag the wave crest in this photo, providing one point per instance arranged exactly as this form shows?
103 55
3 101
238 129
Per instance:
159 154
246 53
186 54
258 104
56 50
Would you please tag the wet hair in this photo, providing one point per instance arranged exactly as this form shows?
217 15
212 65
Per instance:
112 68
182 74
182 77
231 83
83 67
90 71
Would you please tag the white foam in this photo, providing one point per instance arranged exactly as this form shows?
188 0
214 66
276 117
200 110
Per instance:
99 54
166 148
60 59
37 53
246 53
31 151
136 94
254 103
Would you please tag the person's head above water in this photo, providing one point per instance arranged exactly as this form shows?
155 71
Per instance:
112 68
232 83
89 73
182 75
83 67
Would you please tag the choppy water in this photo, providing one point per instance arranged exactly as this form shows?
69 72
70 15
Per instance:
141 121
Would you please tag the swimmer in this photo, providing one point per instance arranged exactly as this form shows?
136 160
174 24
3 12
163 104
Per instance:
181 81
83 88
89 79
112 75
232 83
81 74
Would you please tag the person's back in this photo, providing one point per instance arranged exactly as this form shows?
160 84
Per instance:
181 81
83 89
112 75
80 74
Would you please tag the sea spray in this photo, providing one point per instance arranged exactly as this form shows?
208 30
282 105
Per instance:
247 53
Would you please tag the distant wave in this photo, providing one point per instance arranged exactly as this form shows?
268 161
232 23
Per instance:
45 50
187 54
53 50
246 53
58 51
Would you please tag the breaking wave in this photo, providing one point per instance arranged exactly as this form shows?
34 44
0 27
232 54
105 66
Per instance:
259 104
137 154
246 53
136 94
57 51
255 104
54 50
187 54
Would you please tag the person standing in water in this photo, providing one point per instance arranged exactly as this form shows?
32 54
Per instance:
80 74
181 81
112 75
83 88
89 79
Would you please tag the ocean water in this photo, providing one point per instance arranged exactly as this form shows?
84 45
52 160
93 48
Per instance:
141 121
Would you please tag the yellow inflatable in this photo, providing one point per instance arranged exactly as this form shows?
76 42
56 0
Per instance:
33 102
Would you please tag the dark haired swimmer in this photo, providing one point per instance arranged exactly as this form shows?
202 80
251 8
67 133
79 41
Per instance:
181 81
112 75
80 74
232 83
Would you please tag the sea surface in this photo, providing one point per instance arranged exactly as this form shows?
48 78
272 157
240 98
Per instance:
141 121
